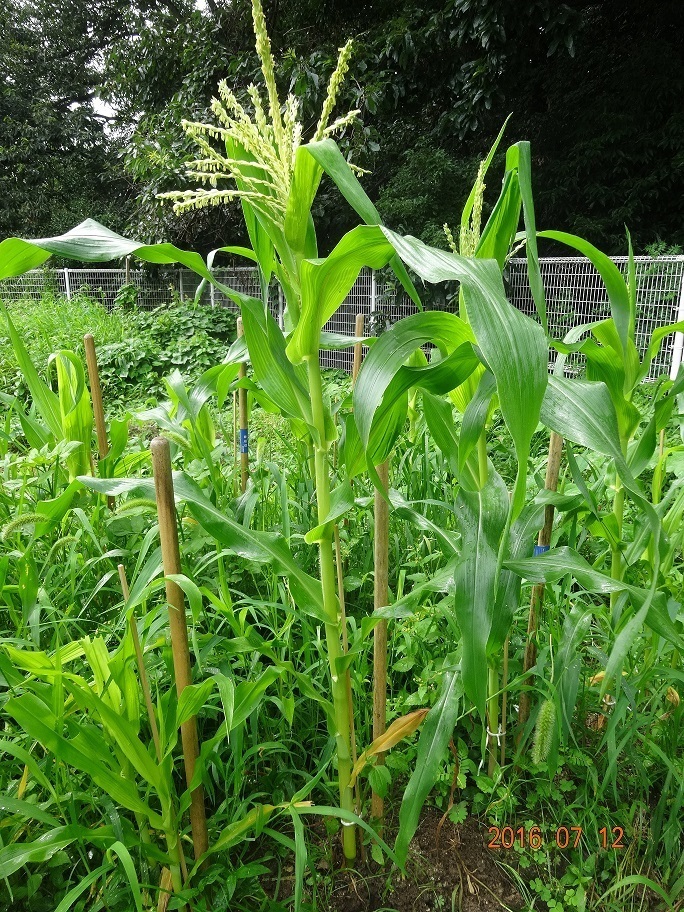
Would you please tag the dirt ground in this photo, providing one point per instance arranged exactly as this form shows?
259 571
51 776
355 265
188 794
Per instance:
449 869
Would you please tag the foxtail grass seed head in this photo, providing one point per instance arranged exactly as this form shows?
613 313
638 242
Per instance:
543 732
21 523
137 503
61 543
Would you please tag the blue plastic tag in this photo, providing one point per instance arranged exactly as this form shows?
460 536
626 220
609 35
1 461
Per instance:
540 549
244 440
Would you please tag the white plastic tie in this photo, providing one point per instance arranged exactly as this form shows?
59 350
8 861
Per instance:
497 734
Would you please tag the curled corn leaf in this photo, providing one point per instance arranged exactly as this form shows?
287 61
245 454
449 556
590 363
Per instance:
672 696
399 729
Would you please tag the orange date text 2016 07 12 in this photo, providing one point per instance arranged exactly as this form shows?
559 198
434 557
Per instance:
564 837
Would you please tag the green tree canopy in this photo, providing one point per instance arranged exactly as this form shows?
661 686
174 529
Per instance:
57 164
596 87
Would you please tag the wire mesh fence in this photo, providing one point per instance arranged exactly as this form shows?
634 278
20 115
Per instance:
574 290
576 294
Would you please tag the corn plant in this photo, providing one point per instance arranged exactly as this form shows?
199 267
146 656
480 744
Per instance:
62 416
493 356
601 413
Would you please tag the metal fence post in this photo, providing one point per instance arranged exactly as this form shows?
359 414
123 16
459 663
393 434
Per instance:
67 285
180 284
678 346
281 309
211 294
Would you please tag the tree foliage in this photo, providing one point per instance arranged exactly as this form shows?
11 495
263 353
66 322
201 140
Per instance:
595 86
57 165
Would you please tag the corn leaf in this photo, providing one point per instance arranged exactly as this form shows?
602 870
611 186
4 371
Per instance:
45 400
273 370
263 547
520 544
556 563
326 283
400 728
513 346
482 520
384 375
434 738
76 414
502 225
16 855
618 293
582 411
326 152
305 181
39 723
468 208
439 417
520 156
475 418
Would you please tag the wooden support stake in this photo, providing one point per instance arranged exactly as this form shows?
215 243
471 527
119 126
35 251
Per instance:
244 423
345 649
358 347
142 671
504 705
380 600
168 534
543 542
96 397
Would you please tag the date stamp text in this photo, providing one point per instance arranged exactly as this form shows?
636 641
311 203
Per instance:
564 837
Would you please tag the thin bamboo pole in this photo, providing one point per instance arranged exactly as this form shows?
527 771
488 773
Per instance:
543 542
168 534
504 705
380 590
380 600
96 397
493 725
147 694
358 347
345 649
244 421
142 671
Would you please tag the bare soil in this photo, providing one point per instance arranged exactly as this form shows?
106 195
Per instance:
448 868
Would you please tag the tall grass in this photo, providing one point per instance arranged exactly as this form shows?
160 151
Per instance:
54 322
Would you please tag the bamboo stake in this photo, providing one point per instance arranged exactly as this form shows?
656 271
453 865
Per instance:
96 394
147 693
504 705
543 542
358 347
142 671
96 397
380 600
380 590
345 649
168 534
244 424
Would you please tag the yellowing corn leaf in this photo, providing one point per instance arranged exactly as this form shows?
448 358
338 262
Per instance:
399 729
